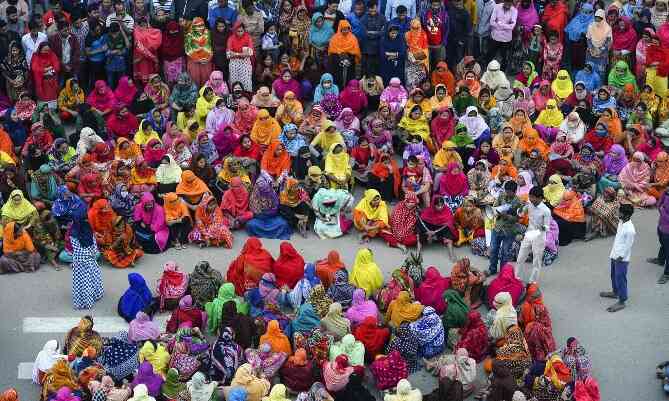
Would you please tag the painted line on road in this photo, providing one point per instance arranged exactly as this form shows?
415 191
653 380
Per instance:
26 371
102 324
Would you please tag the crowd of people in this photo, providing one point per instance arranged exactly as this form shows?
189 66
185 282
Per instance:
275 329
509 128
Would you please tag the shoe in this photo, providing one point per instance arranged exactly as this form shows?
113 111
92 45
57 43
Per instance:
663 279
655 261
616 307
608 294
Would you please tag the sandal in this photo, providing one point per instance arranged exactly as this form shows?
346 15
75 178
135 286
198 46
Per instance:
616 307
663 279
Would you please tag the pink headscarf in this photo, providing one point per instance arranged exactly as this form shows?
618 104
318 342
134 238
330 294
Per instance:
431 290
527 17
353 97
217 83
142 328
101 97
361 308
154 218
506 281
124 93
636 174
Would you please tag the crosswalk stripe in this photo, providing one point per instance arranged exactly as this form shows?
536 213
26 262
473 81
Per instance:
102 324
25 370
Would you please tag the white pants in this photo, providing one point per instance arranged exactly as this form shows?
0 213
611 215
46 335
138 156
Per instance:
536 244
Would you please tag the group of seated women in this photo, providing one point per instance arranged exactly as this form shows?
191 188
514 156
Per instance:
288 326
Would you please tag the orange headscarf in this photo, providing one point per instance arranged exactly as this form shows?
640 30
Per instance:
191 185
201 214
533 297
273 164
416 39
275 338
614 125
16 244
326 268
508 169
532 141
101 216
662 167
570 208
445 77
130 153
344 42
265 129
174 208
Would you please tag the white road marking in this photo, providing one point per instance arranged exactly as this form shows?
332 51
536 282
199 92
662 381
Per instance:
26 370
102 324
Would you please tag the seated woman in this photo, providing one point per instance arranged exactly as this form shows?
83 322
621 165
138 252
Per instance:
361 309
265 360
185 313
406 343
372 336
334 323
192 189
604 215
354 350
535 320
235 204
474 336
59 381
177 218
362 158
142 177
402 310
414 123
400 281
276 161
337 167
365 273
149 224
469 224
290 111
19 254
506 281
431 290
43 183
298 373
429 331
136 298
385 177
148 378
123 251
302 289
247 269
172 285
635 181
264 204
403 220
370 216
436 224
181 152
294 205
505 316
142 328
341 290
210 228
82 336
255 386
468 282
90 187
328 267
514 354
233 167
452 186
168 175
570 218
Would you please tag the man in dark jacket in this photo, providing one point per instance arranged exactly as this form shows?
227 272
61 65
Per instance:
66 47
460 29
374 23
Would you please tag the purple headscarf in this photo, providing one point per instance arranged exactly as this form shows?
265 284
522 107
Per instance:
142 328
264 198
331 105
418 150
361 308
146 377
614 164
154 218
527 17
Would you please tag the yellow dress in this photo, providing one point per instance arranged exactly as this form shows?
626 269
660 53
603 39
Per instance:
366 274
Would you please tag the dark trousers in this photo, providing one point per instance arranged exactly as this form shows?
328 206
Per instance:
619 279
662 253
500 244
495 47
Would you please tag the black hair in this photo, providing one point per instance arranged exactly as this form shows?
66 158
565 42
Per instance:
33 24
11 10
537 191
401 9
372 3
413 159
626 209
510 186
207 89
220 101
114 27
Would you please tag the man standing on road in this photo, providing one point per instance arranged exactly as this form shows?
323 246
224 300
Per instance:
504 232
620 258
535 237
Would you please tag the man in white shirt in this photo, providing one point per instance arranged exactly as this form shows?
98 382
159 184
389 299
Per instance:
535 236
120 16
31 40
620 258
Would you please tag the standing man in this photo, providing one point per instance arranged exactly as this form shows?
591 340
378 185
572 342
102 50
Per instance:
502 22
66 47
460 28
31 40
504 232
535 236
484 10
435 22
620 258
374 23
120 16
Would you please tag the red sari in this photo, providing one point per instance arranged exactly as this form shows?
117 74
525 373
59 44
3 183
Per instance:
247 269
372 336
555 18
145 56
474 337
45 68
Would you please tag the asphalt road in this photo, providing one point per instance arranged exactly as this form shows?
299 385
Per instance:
625 347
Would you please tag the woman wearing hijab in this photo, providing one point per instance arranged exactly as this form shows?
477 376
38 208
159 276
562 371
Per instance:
197 45
343 52
474 336
87 285
624 40
506 281
326 268
370 216
361 309
341 290
302 289
45 68
256 387
142 328
185 313
264 204
149 224
145 376
562 86
614 161
635 181
403 223
227 355
365 273
266 129
19 254
536 321
247 269
210 228
235 204
576 31
393 52
191 189
135 299
600 37
452 186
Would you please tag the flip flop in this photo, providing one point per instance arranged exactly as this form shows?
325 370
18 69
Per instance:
615 307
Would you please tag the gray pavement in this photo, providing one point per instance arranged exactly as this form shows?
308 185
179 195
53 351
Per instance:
625 347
